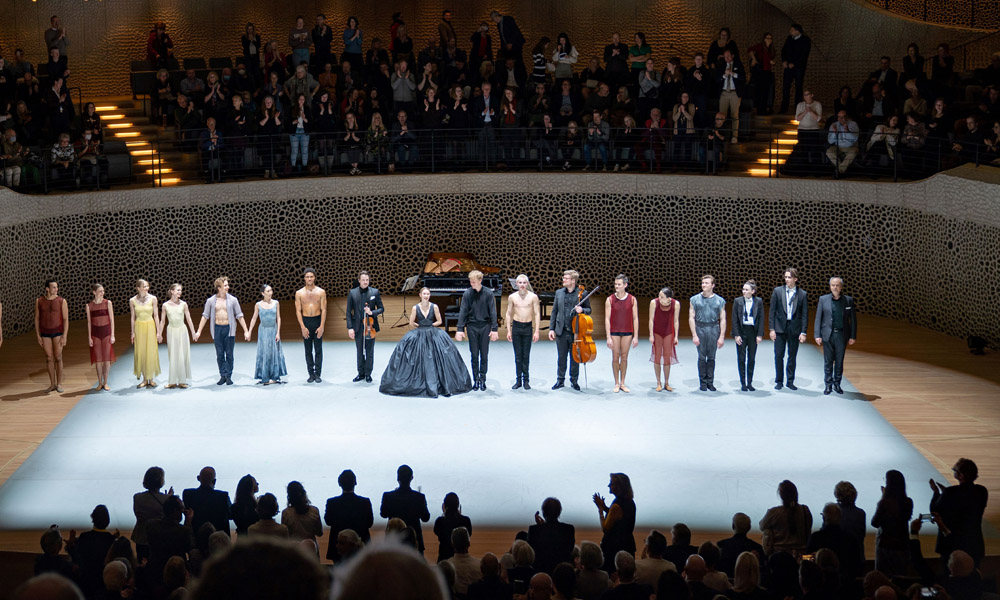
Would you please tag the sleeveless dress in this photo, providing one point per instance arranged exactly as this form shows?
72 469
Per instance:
146 354
100 332
425 363
178 344
620 536
664 351
621 314
270 358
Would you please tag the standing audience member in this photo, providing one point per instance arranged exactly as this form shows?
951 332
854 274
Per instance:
301 517
794 57
733 547
448 522
960 508
618 520
209 504
407 504
348 511
786 528
551 540
244 508
299 41
267 509
467 569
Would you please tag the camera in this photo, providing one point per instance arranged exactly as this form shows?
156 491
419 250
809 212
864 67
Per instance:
928 592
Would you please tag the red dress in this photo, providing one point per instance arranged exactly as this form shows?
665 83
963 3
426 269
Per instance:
664 351
621 315
100 332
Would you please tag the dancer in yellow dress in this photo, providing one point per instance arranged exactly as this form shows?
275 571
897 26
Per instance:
145 323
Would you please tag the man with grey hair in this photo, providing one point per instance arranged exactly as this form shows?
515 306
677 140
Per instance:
218 543
540 587
551 540
467 567
628 588
47 586
115 577
652 564
833 537
835 328
732 547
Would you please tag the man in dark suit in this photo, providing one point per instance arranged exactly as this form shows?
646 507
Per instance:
731 81
789 323
485 112
168 537
209 504
564 308
362 302
794 56
511 38
960 508
748 331
347 511
551 540
885 75
731 548
836 328
832 536
680 547
407 504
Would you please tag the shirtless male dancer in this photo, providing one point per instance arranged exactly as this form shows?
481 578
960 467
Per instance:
310 310
522 319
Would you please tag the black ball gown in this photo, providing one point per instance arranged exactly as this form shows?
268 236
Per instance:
425 363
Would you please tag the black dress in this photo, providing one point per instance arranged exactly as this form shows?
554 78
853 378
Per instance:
620 536
425 363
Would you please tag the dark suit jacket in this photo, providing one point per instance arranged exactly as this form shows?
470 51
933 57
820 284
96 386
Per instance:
961 508
796 51
553 543
823 326
410 506
490 588
356 309
348 511
739 76
478 105
510 33
842 543
739 307
560 320
678 555
779 322
731 549
891 77
209 506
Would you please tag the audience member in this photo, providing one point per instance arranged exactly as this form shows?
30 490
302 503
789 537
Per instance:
786 528
447 523
731 548
843 140
694 575
262 569
833 536
746 580
168 537
551 539
407 504
48 586
348 511
618 520
960 508
652 564
301 517
267 509
467 569
794 58
50 561
490 586
714 579
90 549
591 580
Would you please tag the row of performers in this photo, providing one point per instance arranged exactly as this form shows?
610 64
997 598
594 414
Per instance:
426 362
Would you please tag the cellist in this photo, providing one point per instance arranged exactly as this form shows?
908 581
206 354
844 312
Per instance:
564 308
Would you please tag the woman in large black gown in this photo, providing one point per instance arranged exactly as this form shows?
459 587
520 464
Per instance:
426 361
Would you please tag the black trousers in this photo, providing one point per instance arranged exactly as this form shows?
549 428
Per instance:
521 336
789 76
366 353
833 356
746 353
479 346
313 346
782 368
564 342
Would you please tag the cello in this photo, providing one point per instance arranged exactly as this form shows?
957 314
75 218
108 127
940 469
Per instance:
584 350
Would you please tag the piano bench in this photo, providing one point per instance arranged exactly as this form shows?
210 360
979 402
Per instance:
450 317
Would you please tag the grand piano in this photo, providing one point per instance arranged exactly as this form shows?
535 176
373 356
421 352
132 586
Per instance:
446 275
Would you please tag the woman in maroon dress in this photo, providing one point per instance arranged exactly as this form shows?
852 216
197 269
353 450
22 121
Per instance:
101 335
664 321
621 322
52 329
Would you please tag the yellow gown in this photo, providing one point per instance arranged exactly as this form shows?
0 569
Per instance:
146 352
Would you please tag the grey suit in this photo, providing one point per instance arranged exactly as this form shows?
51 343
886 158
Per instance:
749 332
834 338
787 331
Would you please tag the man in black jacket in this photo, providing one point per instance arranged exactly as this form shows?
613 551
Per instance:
407 504
731 548
836 328
478 317
788 323
362 302
794 56
209 504
485 112
551 540
564 308
347 511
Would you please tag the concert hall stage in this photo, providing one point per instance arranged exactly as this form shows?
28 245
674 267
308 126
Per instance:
693 457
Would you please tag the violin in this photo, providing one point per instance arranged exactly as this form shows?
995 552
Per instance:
584 350
369 321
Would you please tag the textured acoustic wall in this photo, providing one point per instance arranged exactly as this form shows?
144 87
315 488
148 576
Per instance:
106 35
907 251
984 14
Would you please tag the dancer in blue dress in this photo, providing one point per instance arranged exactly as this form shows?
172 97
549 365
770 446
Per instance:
270 359
426 361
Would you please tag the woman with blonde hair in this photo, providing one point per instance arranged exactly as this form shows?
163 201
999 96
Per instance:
174 316
145 323
617 520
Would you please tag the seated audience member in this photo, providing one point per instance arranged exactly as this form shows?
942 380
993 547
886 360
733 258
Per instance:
546 141
845 101
812 582
244 508
732 547
114 577
445 524
491 585
176 577
193 86
712 149
912 146
47 586
914 104
599 100
570 145
680 547
267 508
13 155
746 581
57 67
348 511
876 106
551 540
50 561
623 106
714 579
347 544
467 569
786 527
843 140
521 572
90 549
91 159
404 142
833 537
694 575
262 568
885 75
627 588
62 158
882 143
782 575
540 587
970 146
301 517
168 537
652 564
565 104
564 581
591 579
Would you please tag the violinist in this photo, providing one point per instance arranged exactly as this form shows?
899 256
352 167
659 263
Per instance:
565 306
523 317
310 311
478 316
364 305
621 321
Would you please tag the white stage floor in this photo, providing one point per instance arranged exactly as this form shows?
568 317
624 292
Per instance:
693 457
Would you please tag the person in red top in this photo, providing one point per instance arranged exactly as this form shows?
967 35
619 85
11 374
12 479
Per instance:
762 60
101 335
159 46
664 322
621 321
52 329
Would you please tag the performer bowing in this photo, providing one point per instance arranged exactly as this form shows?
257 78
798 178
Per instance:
478 316
564 308
522 319
362 302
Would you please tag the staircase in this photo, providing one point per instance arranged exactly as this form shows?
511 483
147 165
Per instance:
764 156
150 146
